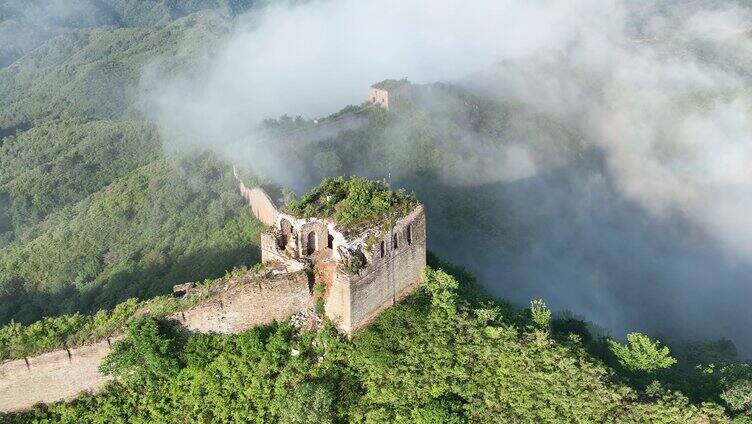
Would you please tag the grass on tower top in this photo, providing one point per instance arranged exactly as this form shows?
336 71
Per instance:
353 202
391 84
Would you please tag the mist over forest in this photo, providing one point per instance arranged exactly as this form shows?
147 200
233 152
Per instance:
621 131
602 166
591 153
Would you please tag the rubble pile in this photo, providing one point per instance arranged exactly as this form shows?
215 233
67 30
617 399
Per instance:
306 320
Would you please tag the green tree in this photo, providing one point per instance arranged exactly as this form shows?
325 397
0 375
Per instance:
736 383
540 314
146 356
307 403
739 396
641 355
436 412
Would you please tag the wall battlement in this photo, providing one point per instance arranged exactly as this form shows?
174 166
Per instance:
53 376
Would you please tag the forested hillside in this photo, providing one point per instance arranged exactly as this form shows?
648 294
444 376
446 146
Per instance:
93 209
97 206
448 354
27 24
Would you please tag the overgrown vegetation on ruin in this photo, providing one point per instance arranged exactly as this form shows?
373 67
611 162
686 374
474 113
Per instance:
448 354
353 202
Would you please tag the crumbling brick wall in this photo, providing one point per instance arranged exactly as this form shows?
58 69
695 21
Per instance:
392 277
385 280
63 374
248 305
53 376
269 249
320 237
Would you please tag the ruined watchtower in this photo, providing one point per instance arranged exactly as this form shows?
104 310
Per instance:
388 92
364 244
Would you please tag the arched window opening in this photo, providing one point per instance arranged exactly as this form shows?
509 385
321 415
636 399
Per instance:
395 243
382 249
409 234
311 243
330 241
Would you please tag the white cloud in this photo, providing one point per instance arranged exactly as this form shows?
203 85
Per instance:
662 88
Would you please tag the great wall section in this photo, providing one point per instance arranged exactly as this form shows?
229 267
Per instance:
53 376
294 262
240 304
283 288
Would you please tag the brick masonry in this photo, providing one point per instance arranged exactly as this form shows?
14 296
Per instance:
358 298
63 374
249 305
53 376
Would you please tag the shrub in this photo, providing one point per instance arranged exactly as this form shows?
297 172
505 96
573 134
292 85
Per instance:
146 356
540 314
307 403
352 201
641 355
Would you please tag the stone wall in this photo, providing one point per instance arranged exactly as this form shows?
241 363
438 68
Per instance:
248 305
338 303
388 98
383 281
260 203
63 374
53 376
270 250
320 238
390 278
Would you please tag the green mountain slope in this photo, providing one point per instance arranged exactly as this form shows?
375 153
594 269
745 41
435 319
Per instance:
134 238
445 355
92 211
62 162
95 73
27 24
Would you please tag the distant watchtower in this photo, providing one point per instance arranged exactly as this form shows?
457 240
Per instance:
388 92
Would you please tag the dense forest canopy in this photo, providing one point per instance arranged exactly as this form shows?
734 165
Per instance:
93 209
